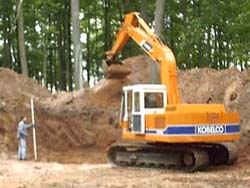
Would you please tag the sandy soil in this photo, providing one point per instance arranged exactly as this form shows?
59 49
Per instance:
74 129
29 174
87 120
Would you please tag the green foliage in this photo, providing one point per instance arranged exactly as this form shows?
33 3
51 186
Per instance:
202 33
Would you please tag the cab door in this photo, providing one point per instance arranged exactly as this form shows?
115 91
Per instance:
138 119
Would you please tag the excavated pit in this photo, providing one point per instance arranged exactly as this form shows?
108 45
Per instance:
77 127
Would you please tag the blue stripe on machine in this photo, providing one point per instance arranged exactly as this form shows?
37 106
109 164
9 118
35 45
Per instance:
232 128
180 130
151 131
192 130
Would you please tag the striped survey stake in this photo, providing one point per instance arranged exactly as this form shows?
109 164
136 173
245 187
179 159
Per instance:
34 129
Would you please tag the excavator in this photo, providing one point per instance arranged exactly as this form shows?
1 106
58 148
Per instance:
166 133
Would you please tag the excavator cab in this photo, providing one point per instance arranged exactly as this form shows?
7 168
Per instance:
140 100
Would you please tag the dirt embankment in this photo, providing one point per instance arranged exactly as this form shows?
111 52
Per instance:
230 87
70 127
78 126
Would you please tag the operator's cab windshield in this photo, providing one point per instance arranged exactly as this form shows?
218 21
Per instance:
153 100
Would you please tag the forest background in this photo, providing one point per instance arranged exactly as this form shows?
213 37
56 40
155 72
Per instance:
62 43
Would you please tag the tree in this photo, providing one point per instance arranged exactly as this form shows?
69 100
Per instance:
76 44
6 35
159 17
143 10
61 51
21 45
201 33
107 25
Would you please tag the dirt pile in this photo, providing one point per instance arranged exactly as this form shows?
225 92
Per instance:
15 94
78 126
117 71
230 87
66 122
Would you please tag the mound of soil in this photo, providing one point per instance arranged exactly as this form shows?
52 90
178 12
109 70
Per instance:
230 87
78 126
16 91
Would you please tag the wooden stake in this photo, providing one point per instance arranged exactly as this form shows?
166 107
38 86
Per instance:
34 129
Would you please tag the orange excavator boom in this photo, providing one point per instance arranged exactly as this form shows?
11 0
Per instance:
135 27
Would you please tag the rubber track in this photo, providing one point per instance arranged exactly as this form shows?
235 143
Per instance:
200 154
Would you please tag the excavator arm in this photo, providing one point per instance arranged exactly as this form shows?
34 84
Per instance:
135 27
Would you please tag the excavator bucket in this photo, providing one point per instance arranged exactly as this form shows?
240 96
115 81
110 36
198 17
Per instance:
114 69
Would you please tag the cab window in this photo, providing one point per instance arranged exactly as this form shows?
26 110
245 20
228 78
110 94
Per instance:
123 108
153 100
137 101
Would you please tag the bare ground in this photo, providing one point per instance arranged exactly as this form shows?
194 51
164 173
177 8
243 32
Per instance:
74 130
15 174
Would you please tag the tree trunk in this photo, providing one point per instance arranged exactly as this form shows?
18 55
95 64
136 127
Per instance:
215 54
159 17
67 45
209 54
16 53
22 54
76 44
45 63
172 33
121 12
88 54
107 26
185 62
200 62
97 49
46 51
220 50
6 47
51 75
127 6
6 36
143 9
61 53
